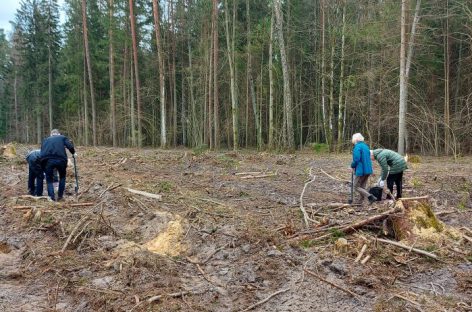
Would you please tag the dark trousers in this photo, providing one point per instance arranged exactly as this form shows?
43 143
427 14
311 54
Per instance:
396 178
35 174
49 166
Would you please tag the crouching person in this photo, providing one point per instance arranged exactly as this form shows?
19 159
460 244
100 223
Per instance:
35 173
54 156
361 166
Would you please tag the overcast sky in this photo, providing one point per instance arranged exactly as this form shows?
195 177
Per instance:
7 12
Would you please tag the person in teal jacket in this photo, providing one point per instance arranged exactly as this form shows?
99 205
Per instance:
393 165
361 166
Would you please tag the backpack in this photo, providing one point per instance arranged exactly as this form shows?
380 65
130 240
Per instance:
377 192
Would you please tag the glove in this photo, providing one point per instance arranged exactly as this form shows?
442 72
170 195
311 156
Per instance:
381 183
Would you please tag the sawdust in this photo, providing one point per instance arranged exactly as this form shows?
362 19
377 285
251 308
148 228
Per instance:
8 151
168 242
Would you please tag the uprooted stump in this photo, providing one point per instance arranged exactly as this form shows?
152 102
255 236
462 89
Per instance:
417 224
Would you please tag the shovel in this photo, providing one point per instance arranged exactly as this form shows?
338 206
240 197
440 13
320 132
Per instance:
352 189
76 177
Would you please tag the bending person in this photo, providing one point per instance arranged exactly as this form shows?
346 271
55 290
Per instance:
393 165
35 173
54 156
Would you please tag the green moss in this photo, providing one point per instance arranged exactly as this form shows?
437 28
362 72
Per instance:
429 220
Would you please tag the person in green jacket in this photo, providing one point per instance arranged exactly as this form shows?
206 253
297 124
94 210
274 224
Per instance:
392 165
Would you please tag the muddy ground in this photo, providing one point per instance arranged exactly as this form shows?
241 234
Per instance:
219 240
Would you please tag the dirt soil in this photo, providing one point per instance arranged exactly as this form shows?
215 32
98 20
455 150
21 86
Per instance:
219 240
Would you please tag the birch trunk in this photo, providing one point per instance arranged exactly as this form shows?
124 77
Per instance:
234 104
288 118
157 30
341 85
112 76
136 70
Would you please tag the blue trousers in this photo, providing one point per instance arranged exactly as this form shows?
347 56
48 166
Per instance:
49 166
35 174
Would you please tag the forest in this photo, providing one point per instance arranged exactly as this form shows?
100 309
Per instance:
232 74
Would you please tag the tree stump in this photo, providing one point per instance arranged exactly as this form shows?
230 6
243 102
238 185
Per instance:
8 151
418 224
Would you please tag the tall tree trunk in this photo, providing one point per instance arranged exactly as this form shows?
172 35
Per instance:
234 99
15 94
447 122
49 72
341 85
288 118
271 83
124 80
112 75
194 127
136 70
331 95
86 113
325 115
174 85
132 104
403 99
251 79
216 122
405 62
210 93
89 70
157 29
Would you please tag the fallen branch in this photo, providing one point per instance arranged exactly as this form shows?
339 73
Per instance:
351 227
409 248
305 215
414 198
69 205
248 173
332 284
110 188
359 257
467 238
334 178
407 299
150 195
466 229
34 197
265 300
259 176
332 205
78 225
364 261
216 283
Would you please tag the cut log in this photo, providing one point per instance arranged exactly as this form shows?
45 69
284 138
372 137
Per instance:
150 195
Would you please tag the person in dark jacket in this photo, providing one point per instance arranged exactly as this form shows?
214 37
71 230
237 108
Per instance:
393 165
361 166
35 173
54 156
